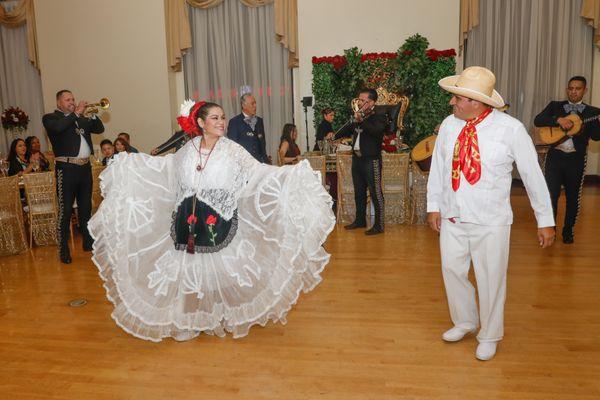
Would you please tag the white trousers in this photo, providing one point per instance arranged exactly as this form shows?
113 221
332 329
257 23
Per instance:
487 247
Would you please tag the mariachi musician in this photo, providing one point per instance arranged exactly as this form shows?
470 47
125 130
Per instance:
69 130
367 130
565 162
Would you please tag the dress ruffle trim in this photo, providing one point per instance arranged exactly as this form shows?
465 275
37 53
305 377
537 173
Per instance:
285 209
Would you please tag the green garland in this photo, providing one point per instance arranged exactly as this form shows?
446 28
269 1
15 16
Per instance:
413 71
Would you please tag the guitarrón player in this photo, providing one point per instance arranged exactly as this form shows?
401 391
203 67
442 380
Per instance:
565 162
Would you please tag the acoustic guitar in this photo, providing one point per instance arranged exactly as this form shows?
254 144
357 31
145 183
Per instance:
422 152
555 134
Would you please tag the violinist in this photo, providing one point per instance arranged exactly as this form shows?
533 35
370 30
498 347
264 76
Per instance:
367 130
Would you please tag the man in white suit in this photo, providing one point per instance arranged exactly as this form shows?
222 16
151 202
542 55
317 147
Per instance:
468 202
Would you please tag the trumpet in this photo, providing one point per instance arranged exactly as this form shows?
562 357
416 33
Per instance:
93 108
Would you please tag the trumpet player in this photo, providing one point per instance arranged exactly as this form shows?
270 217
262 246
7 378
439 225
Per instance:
367 130
69 128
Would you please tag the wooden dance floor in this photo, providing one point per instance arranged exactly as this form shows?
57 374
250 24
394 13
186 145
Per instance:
370 330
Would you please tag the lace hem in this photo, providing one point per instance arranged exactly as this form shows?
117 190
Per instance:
215 293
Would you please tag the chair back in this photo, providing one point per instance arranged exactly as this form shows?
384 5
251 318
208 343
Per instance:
395 185
12 229
40 189
346 210
96 191
318 163
418 195
50 157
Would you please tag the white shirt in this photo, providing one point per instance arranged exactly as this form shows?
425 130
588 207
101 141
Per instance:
357 141
502 141
568 146
84 148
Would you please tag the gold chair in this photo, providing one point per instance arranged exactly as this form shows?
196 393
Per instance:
12 229
96 192
418 195
50 157
394 107
396 187
40 189
318 163
346 208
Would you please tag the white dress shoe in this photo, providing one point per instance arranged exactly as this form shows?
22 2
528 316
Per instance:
455 334
486 351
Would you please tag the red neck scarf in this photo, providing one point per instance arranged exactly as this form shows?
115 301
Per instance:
466 153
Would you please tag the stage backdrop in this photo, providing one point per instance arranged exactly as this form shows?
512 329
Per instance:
414 71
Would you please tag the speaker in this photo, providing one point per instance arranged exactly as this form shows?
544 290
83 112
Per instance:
307 101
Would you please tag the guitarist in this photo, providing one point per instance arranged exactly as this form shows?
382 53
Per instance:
565 162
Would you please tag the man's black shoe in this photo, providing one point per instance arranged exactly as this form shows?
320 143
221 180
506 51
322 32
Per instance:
567 235
374 231
568 238
355 225
65 259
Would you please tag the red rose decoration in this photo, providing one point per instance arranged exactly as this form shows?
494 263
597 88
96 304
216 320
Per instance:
192 219
211 220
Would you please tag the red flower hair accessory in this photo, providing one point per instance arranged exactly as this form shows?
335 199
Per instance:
187 119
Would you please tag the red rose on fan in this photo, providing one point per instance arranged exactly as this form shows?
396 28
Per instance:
211 220
192 219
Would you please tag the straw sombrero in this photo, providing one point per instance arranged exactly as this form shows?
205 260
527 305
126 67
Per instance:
476 83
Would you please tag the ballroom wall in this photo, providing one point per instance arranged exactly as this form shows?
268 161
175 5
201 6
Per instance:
114 49
328 27
117 49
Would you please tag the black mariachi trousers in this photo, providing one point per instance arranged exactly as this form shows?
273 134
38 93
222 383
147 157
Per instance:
73 182
565 169
366 173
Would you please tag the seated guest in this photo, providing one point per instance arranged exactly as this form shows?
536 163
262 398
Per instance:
289 153
108 150
34 155
17 159
325 129
121 145
125 136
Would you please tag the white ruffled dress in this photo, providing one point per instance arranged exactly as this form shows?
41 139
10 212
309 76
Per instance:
283 218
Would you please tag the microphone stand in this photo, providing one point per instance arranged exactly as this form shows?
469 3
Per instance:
306 124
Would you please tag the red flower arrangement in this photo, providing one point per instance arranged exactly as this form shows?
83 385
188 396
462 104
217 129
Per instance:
434 54
340 61
389 144
337 61
377 56
14 119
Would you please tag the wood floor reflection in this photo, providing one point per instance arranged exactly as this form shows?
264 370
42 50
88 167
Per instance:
370 330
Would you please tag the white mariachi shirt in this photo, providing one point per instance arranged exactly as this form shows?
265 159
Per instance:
502 141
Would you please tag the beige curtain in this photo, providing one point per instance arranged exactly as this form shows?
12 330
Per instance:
533 47
179 38
178 26
469 19
286 28
234 51
20 81
590 10
21 14
204 3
